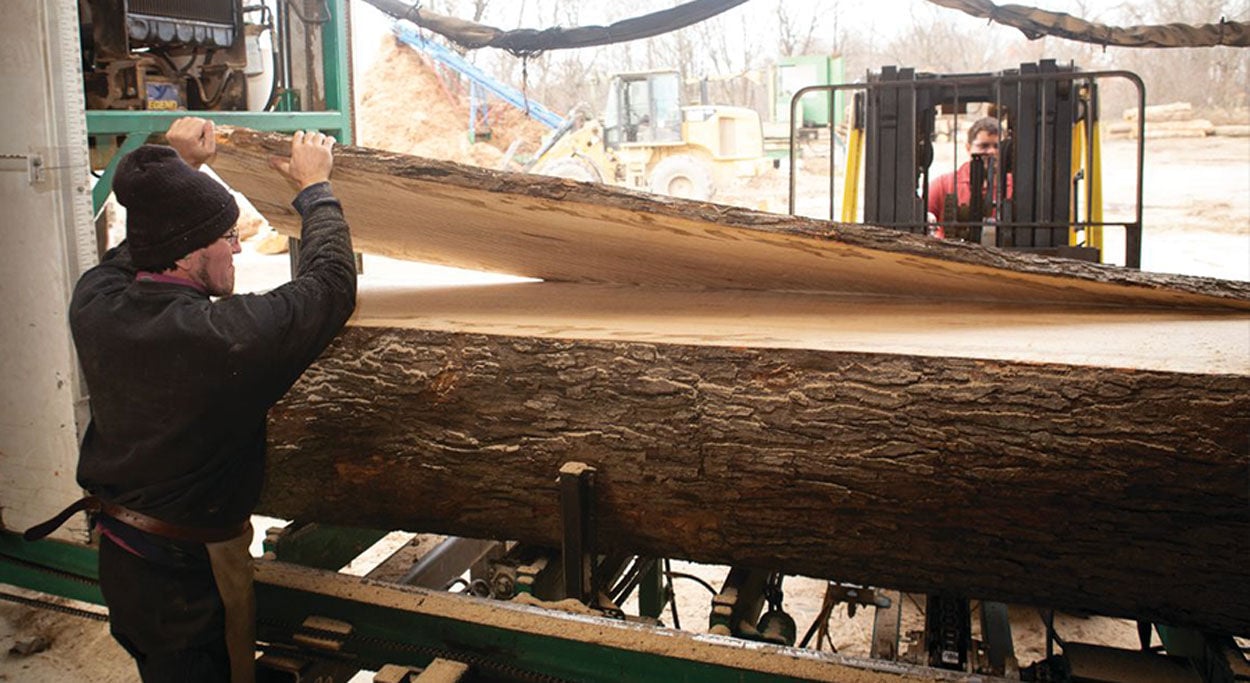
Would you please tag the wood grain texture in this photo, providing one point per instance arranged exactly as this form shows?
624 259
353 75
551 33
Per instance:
1198 341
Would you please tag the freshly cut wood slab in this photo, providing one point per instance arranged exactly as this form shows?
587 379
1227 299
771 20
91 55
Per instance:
555 229
836 401
1192 341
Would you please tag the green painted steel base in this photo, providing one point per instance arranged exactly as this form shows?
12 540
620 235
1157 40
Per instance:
500 645
52 567
370 624
320 545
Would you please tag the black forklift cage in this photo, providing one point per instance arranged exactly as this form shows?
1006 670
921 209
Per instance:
906 88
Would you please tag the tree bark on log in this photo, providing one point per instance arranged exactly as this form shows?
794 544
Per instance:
1064 434
1120 492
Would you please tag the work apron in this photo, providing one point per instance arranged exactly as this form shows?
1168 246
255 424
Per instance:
232 569
229 559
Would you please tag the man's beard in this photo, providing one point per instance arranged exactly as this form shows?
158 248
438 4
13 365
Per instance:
214 288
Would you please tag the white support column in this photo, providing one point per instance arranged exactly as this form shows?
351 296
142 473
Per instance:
48 240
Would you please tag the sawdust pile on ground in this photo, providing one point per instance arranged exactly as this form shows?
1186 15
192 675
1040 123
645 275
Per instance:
405 106
74 648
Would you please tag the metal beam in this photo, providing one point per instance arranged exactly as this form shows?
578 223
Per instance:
54 567
405 625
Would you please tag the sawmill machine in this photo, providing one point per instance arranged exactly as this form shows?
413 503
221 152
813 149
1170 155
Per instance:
317 622
278 65
1041 194
155 55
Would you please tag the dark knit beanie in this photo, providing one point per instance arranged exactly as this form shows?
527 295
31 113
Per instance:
171 208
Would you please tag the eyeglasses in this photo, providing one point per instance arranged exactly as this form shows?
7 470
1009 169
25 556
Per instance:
232 236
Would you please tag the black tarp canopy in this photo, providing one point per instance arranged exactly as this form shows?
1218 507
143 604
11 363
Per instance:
1035 23
1031 21
530 41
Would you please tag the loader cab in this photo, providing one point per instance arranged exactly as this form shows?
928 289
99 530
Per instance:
643 109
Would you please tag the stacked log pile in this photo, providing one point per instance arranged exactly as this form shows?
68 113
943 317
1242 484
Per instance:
1174 120
837 401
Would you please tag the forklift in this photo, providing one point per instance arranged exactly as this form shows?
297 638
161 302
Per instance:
1042 194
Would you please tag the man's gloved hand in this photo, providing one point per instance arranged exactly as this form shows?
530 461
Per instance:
311 159
192 137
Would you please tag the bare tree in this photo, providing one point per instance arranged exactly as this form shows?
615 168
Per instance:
735 55
796 30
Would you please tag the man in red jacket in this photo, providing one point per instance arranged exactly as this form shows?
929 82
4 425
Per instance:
181 375
982 141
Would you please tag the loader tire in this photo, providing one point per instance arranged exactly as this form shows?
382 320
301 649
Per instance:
683 176
572 168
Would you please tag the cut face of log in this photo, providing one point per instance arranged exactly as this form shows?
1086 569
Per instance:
834 401
1201 341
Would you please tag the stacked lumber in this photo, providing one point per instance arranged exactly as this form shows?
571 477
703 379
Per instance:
1174 111
1233 130
830 400
1174 120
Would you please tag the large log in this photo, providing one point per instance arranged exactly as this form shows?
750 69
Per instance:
1121 492
913 414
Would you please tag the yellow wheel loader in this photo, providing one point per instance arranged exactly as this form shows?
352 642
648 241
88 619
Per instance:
648 140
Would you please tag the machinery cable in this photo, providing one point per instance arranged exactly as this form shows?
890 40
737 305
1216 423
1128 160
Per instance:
267 24
1048 618
820 625
692 577
213 101
670 593
625 587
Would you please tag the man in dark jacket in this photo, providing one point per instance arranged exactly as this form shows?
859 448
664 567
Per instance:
181 375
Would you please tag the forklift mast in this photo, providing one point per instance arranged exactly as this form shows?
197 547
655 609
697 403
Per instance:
1037 119
1043 192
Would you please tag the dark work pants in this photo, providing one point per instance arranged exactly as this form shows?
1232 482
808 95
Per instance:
168 616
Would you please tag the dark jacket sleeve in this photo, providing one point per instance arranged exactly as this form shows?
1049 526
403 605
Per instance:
275 336
113 274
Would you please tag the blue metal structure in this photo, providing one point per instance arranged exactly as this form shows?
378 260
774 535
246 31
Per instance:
479 80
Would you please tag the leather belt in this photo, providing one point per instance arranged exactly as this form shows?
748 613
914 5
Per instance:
137 520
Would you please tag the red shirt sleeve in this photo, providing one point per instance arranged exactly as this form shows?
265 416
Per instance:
938 189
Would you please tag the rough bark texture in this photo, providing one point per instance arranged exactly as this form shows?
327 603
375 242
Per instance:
1117 491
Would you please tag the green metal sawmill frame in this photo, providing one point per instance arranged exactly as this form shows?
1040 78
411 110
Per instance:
134 127
359 623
